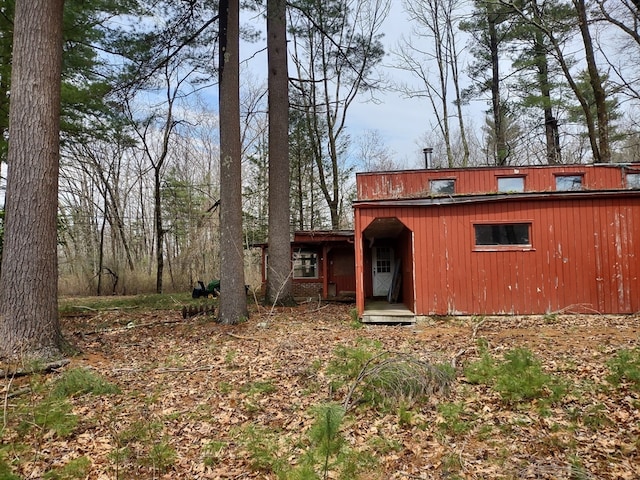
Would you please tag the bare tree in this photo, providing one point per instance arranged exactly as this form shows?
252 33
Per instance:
373 154
435 22
29 325
336 48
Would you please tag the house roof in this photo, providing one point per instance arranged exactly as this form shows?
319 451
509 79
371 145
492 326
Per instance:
493 197
322 236
316 237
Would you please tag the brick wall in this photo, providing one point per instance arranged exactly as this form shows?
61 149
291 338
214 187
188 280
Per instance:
307 289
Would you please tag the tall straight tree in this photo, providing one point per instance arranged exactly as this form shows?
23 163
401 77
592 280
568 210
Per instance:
437 24
489 27
279 284
29 325
233 301
602 153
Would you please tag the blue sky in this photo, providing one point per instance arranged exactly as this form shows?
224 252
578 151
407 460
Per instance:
400 122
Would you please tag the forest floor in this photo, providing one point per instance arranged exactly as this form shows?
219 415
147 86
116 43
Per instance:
159 396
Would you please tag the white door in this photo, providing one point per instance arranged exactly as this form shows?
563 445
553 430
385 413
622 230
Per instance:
382 270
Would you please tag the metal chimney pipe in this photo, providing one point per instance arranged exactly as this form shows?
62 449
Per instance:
428 151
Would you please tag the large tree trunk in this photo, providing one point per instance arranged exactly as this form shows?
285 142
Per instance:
29 326
599 95
279 281
550 123
501 152
233 300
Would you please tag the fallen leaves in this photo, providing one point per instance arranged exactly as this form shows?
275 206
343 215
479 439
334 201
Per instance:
201 384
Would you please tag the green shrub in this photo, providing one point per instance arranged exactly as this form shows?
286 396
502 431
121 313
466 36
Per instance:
79 381
161 456
212 452
484 370
453 418
49 415
6 473
521 377
349 361
259 388
77 468
262 445
518 378
625 367
328 455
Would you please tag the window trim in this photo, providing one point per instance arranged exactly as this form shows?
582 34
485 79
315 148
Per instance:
445 179
295 256
636 174
519 247
558 175
502 177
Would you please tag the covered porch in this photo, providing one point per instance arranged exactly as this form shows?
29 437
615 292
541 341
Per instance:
384 270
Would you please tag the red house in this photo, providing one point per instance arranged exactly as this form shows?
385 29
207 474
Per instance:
509 240
323 264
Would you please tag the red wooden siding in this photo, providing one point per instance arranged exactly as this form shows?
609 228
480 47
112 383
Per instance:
341 270
415 183
335 267
584 255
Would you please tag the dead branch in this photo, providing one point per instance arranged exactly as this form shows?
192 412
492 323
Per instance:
476 327
400 375
6 404
110 309
318 308
46 368
204 368
129 326
454 360
240 337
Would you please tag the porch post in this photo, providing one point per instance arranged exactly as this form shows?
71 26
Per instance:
359 260
325 272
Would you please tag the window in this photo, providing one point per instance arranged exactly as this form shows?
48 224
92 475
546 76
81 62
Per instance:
568 182
442 186
633 180
511 184
503 234
305 264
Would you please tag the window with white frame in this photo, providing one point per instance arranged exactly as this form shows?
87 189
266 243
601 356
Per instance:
442 186
305 264
511 184
633 179
568 182
503 234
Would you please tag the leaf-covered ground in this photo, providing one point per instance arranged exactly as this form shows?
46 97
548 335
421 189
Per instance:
199 400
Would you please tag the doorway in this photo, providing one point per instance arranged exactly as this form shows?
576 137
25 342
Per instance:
382 270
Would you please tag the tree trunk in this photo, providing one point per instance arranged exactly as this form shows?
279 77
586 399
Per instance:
550 122
279 281
501 151
157 192
454 62
233 300
29 325
599 94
